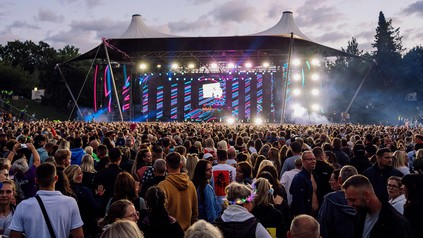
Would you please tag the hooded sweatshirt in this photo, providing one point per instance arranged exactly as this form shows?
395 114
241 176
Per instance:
336 218
182 201
237 213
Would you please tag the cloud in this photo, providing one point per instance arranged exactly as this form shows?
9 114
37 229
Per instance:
89 3
315 14
21 25
332 36
49 16
226 12
414 8
202 24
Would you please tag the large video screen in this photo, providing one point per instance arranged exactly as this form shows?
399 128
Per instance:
212 90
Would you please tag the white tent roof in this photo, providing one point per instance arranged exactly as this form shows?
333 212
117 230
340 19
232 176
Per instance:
138 29
285 26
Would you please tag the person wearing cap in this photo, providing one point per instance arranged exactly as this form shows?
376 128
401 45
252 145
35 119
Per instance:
359 159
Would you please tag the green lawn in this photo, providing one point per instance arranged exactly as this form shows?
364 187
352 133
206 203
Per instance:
41 111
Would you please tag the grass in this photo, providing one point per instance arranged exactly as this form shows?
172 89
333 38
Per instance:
40 110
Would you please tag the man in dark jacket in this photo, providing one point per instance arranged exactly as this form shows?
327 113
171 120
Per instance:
379 173
359 160
336 217
375 218
304 188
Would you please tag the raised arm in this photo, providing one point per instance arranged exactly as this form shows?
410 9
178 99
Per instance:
34 154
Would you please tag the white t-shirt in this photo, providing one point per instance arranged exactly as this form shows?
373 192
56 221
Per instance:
223 175
62 211
369 223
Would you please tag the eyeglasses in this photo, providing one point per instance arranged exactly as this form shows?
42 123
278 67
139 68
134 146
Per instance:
391 186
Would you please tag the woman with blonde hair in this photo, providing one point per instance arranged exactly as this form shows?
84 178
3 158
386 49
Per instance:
192 160
270 217
87 167
236 220
399 161
88 204
122 229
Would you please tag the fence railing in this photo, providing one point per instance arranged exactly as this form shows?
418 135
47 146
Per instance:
18 113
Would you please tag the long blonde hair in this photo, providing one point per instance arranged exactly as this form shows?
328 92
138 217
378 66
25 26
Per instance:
399 159
264 194
192 160
122 229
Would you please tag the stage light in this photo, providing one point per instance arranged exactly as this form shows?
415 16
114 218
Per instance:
174 66
315 107
258 121
159 66
266 64
143 66
315 92
231 65
296 77
213 65
315 77
296 92
248 65
315 62
299 111
230 120
296 62
191 66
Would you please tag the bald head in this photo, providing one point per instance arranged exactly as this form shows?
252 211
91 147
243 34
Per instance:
304 226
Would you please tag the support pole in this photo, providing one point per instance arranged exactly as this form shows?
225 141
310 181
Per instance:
70 92
359 87
113 79
285 84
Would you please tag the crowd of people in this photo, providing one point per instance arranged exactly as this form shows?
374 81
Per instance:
124 179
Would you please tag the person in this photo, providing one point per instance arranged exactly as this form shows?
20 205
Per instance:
208 206
89 205
143 159
379 173
126 188
341 156
203 229
64 219
122 229
304 187
334 181
180 192
120 210
413 208
289 163
158 223
159 175
336 217
323 172
265 212
88 171
7 208
104 161
304 226
191 163
288 176
376 218
62 160
107 176
236 220
399 161
77 152
24 177
359 159
244 173
223 175
395 191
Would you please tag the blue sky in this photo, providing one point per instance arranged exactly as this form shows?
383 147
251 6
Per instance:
82 23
